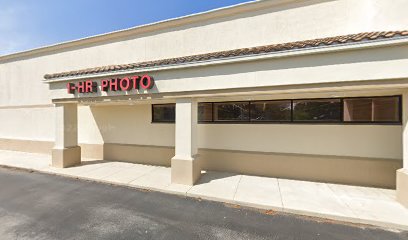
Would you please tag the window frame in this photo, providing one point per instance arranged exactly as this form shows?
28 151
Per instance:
162 104
399 122
230 121
212 113
292 121
272 121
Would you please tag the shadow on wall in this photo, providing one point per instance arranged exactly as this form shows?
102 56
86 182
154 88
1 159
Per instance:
105 127
129 135
361 171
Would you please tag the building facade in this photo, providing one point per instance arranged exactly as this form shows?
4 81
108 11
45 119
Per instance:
310 89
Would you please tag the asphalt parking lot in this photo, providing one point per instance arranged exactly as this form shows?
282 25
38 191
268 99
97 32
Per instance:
41 206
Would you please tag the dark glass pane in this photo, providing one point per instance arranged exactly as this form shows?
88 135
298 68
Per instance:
357 109
164 113
231 111
386 109
317 110
381 109
205 112
270 111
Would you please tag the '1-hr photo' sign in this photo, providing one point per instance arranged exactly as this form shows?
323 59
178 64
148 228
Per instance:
115 84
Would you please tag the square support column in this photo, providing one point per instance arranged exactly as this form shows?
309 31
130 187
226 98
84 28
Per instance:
402 174
66 151
185 168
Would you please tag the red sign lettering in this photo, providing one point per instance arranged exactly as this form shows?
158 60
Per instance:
135 80
116 84
70 88
104 85
125 84
113 85
146 82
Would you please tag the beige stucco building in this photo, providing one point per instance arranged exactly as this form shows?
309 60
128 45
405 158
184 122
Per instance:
308 89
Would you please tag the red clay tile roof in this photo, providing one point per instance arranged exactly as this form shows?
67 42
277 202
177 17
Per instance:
368 36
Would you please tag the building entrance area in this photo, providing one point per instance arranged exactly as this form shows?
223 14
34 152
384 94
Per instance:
314 139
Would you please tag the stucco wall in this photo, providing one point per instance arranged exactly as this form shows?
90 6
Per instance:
20 78
338 140
28 123
128 124
25 99
132 125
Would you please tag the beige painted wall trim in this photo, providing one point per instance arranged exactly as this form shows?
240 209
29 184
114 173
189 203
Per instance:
32 146
27 106
139 145
402 186
45 147
328 157
150 155
374 172
342 170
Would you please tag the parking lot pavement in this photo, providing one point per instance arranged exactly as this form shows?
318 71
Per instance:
41 206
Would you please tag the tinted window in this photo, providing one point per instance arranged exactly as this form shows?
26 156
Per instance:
379 109
270 111
164 112
205 112
317 110
231 111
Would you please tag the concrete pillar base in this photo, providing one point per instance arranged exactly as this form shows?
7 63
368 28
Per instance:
402 186
67 157
185 171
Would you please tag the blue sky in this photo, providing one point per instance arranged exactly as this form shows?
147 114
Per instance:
27 24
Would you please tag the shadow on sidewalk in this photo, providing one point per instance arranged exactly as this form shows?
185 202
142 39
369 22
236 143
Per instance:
211 176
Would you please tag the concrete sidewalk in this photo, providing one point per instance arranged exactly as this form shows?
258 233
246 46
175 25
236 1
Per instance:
333 201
